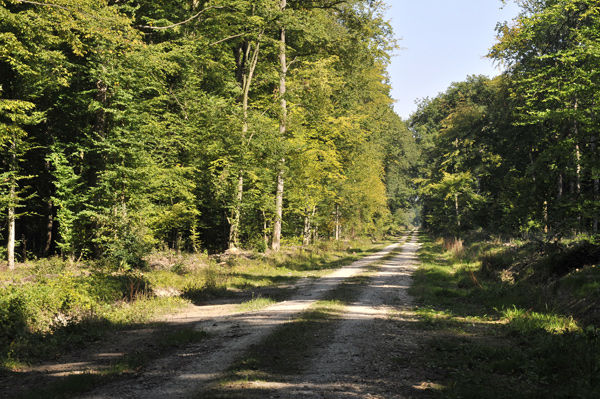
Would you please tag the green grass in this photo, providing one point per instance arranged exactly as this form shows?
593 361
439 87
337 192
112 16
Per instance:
489 337
51 306
283 353
131 363
255 304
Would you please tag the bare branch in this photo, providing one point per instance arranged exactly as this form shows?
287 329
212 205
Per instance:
227 38
292 62
186 116
182 22
328 5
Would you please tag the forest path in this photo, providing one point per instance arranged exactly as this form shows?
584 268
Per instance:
187 371
368 355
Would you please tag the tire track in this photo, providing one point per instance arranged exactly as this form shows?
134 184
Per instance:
187 371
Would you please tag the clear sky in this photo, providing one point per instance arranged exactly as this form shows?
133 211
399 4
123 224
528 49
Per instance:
443 41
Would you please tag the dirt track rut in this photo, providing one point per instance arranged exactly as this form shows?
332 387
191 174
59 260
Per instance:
187 371
370 353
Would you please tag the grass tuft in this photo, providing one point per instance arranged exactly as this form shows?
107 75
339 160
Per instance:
255 304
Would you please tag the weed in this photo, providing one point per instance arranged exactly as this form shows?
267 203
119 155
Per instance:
255 304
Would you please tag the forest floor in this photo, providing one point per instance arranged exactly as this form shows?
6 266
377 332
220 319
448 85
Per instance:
336 336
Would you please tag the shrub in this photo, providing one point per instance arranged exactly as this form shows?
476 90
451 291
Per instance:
454 246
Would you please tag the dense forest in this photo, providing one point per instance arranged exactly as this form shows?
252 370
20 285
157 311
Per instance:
517 155
225 184
131 126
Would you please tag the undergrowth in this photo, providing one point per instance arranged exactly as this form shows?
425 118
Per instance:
52 306
509 319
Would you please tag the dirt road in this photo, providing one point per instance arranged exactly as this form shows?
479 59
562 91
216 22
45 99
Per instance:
370 351
343 365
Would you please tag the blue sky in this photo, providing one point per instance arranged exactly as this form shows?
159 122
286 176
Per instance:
443 41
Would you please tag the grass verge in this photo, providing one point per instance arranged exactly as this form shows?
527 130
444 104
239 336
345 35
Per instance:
490 337
52 307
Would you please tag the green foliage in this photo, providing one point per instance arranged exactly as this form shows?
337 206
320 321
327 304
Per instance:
140 133
528 139
68 200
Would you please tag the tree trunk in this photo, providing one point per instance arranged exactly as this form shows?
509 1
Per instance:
596 189
578 181
276 244
23 248
577 152
560 187
596 197
11 228
306 232
245 76
456 209
337 222
546 229
265 230
49 227
578 170
12 199
282 131
234 222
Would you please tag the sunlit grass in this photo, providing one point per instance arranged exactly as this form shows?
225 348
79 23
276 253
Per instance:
52 305
255 304
497 338
526 321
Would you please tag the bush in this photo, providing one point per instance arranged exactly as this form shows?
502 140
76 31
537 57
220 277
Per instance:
454 246
580 254
32 313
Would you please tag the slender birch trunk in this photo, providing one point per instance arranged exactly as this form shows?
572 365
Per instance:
236 214
577 186
12 199
11 228
276 245
577 153
337 222
457 211
578 181
307 234
578 170
246 76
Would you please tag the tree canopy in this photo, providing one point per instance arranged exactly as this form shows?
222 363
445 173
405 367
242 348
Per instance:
128 126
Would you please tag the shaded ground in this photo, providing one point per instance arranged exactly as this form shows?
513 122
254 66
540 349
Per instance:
229 335
361 350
